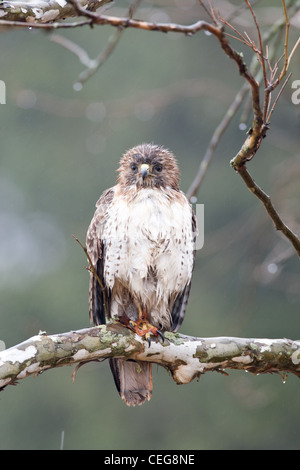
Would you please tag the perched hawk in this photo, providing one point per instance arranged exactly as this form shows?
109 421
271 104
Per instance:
141 242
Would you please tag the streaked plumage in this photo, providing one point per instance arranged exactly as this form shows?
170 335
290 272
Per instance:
141 243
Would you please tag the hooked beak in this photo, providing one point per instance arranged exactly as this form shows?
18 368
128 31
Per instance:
144 170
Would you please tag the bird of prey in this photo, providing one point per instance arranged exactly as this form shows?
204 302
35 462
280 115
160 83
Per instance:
141 242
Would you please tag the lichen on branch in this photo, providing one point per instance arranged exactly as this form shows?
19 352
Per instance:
44 11
186 357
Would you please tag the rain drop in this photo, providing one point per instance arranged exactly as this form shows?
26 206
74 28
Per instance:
77 86
272 268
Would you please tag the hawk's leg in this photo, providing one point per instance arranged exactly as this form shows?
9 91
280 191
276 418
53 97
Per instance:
143 327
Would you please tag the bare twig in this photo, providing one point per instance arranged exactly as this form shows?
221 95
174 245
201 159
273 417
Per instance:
94 65
116 22
72 47
93 269
293 51
45 26
286 42
209 12
261 50
216 137
266 200
277 97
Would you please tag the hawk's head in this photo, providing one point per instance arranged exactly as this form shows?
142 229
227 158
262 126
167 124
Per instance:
149 165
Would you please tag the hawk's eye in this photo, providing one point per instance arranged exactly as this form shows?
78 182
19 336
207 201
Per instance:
134 167
158 167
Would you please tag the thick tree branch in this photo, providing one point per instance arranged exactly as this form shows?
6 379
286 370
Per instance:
185 356
44 11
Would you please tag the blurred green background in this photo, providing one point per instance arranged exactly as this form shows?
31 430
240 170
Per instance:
60 149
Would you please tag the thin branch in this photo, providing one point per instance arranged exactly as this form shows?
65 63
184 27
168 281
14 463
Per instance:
185 357
287 57
93 269
266 200
278 96
72 47
99 61
113 41
293 51
286 42
261 51
215 140
46 26
118 22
